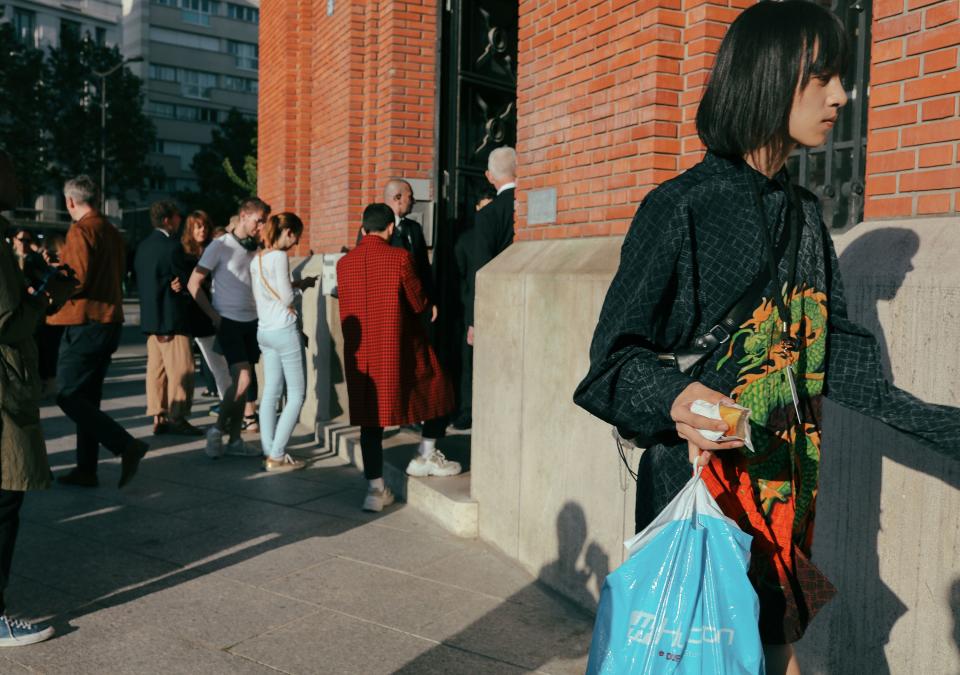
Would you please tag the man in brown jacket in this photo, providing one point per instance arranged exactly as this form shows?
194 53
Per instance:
23 455
92 319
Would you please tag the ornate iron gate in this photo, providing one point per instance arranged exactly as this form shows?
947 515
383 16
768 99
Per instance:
478 112
479 86
836 171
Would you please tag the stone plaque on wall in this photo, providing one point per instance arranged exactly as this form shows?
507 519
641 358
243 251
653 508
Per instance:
542 206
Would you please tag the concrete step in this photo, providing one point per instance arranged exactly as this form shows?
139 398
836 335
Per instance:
447 500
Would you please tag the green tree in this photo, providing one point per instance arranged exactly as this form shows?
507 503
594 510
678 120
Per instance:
232 144
22 100
72 117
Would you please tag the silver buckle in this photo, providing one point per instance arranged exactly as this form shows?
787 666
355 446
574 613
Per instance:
723 335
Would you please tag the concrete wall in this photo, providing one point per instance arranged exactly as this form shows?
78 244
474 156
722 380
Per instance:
326 399
552 494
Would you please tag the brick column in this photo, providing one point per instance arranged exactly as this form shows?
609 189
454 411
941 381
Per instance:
914 127
597 109
706 24
347 101
284 106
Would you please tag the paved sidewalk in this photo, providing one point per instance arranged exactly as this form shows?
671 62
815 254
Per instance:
203 566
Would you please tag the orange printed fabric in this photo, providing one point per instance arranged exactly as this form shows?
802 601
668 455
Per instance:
771 492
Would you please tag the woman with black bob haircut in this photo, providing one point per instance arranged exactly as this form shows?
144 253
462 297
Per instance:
728 292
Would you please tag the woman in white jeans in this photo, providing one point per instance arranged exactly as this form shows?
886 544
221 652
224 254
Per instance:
279 337
197 233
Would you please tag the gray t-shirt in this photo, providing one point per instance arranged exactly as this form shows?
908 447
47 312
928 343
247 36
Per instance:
229 265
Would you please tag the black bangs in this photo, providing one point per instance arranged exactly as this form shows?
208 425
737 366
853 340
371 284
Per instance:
768 50
827 50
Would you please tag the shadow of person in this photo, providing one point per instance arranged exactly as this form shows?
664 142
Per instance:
851 633
536 627
326 365
895 246
954 600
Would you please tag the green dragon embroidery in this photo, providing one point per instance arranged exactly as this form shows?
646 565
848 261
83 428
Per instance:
785 458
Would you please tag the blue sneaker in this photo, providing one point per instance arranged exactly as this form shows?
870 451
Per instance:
16 633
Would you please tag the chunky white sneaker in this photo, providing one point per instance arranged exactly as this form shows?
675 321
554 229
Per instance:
434 465
240 448
214 447
285 463
377 499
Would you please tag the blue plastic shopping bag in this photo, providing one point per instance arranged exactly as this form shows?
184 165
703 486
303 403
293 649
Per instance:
681 603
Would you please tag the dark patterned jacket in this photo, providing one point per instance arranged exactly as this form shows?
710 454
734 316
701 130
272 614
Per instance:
692 249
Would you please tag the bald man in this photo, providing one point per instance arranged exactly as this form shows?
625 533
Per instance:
408 234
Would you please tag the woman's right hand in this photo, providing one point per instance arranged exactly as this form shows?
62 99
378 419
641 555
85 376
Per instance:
699 449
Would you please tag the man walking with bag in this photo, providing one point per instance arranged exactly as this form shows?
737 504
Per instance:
92 318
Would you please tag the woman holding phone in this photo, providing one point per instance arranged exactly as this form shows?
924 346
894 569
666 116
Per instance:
280 339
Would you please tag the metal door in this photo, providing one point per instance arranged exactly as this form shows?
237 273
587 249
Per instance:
479 95
478 112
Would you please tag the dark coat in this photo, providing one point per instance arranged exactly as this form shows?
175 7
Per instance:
493 233
198 322
465 253
695 244
162 311
23 455
408 235
393 375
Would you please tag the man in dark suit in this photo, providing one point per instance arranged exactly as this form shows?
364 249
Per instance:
464 251
408 234
494 223
164 320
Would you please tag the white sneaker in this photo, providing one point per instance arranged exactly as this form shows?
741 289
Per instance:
214 447
434 465
240 448
377 499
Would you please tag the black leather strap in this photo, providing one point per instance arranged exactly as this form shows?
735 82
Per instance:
688 359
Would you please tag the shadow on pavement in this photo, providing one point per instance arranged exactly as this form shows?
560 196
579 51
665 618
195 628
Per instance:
184 516
495 635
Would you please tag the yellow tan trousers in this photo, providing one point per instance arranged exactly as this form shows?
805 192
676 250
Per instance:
170 371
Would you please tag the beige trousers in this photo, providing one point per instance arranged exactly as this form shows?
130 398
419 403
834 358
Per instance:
170 371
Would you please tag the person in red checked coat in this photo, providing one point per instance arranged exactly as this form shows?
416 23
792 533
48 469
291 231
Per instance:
393 375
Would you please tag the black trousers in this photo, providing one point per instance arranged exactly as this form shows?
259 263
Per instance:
10 503
466 378
85 354
48 342
371 445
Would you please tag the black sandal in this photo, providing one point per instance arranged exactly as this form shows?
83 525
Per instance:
250 423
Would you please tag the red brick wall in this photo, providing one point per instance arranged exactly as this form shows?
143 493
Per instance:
346 102
284 104
912 163
606 107
608 93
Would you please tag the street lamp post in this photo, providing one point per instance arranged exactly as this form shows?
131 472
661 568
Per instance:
103 75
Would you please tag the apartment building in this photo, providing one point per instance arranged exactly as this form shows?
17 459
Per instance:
200 59
42 22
